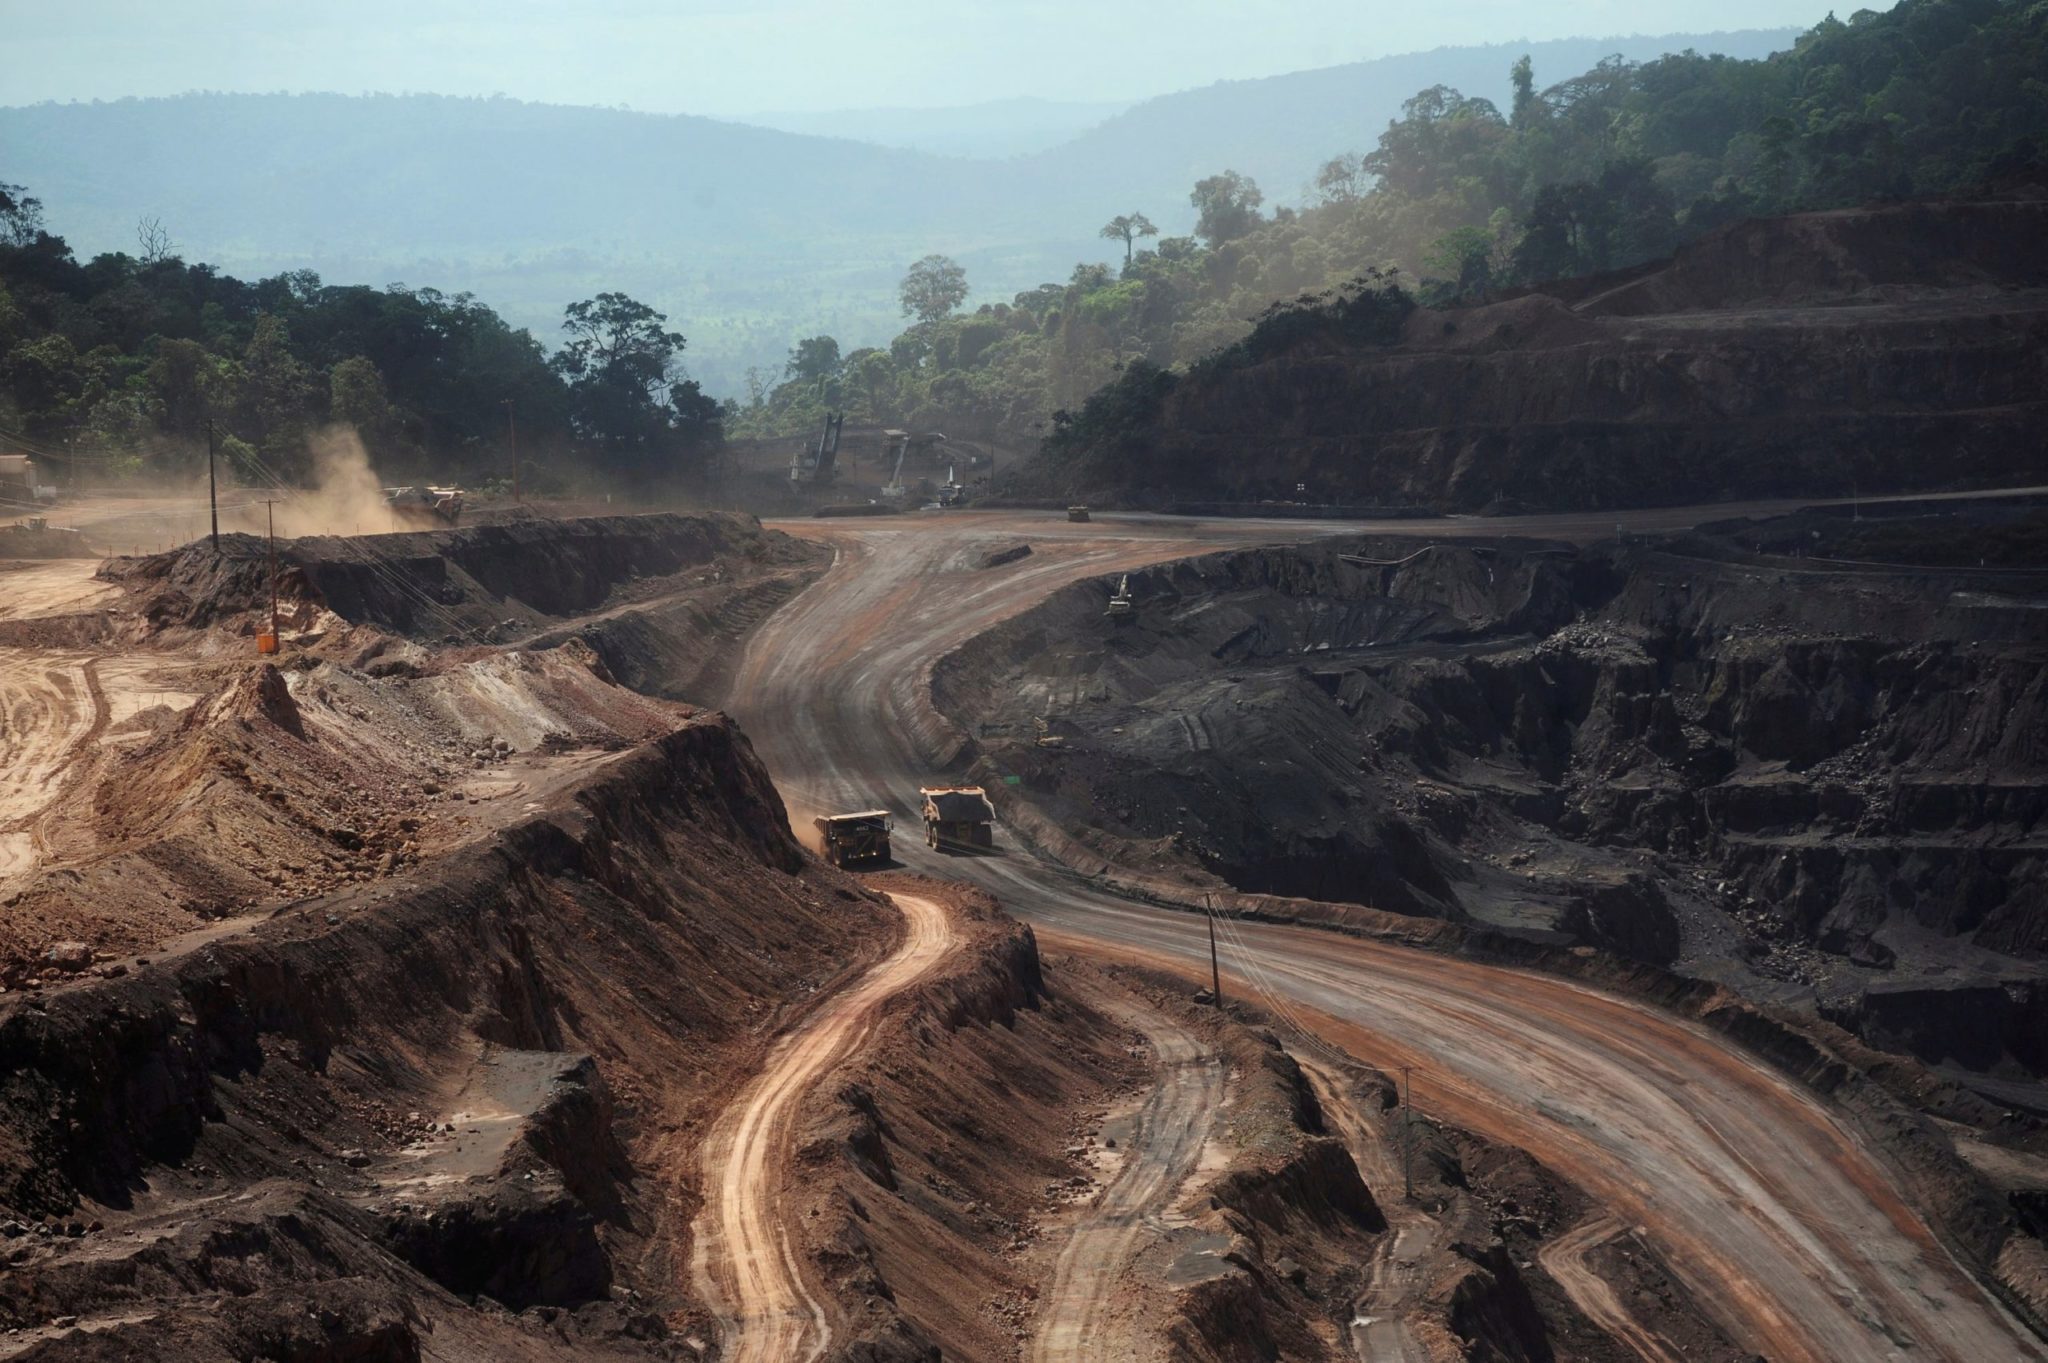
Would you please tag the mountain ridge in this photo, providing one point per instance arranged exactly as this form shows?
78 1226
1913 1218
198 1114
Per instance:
748 237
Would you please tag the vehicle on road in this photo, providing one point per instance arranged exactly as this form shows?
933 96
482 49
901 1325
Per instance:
425 505
855 840
958 817
1077 513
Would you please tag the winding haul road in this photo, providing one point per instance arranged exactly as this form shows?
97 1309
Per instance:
1790 1233
741 1256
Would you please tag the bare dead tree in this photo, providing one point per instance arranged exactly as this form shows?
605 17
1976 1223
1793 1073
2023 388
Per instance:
155 240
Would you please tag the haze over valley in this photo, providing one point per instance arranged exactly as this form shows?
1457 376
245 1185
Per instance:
921 683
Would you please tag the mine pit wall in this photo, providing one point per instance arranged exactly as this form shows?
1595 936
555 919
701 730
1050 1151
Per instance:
1887 1095
650 924
1902 347
924 1162
935 1150
468 579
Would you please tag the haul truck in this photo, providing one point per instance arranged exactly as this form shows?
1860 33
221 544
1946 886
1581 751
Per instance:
854 840
958 817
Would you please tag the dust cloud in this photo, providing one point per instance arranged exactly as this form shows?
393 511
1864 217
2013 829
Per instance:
345 498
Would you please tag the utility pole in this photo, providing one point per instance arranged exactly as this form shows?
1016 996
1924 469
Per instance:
212 495
270 538
512 436
1215 971
1407 1127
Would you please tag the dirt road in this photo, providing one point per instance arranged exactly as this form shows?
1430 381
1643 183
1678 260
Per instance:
1378 1330
1078 1321
50 707
1565 1260
1787 1230
743 1258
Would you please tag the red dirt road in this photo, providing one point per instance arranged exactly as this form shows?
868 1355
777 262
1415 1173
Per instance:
742 1257
1791 1233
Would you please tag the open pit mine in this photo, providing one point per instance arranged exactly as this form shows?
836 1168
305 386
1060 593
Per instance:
1608 936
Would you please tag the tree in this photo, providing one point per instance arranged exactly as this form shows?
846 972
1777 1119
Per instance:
1526 105
153 241
1464 258
813 360
932 288
624 394
1227 206
1343 179
178 381
21 217
356 397
1127 228
277 396
618 340
874 375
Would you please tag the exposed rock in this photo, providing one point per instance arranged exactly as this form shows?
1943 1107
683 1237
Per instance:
1903 346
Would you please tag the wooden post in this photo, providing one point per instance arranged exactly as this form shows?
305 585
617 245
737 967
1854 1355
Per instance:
1407 1128
212 495
512 437
270 528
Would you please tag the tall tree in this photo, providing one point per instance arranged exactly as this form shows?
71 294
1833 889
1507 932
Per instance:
932 288
1526 105
278 395
1227 205
625 394
813 360
1127 228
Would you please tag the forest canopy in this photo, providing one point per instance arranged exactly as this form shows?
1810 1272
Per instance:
126 359
1460 198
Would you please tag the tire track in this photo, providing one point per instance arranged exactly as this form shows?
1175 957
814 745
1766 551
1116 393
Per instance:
51 709
743 1259
1078 1323
1564 1259
1378 1331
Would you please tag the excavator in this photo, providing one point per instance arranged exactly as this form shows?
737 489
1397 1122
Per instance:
893 490
818 463
1120 604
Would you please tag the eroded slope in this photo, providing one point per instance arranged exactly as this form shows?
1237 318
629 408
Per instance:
1821 783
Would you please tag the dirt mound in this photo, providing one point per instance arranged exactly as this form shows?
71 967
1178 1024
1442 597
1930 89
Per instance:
1822 784
281 784
452 1105
467 585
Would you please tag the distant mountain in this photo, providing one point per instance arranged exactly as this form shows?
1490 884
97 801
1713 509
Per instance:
996 128
748 237
1280 129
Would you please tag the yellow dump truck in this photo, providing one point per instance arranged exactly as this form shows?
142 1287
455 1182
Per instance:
957 817
855 840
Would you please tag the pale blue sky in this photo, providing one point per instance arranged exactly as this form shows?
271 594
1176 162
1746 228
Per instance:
725 57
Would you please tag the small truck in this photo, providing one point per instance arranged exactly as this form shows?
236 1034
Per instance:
855 840
958 817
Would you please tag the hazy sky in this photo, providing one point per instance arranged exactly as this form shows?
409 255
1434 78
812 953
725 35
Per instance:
727 57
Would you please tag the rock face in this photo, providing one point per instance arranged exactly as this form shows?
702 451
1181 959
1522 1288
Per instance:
550 1001
1901 347
1815 782
463 583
